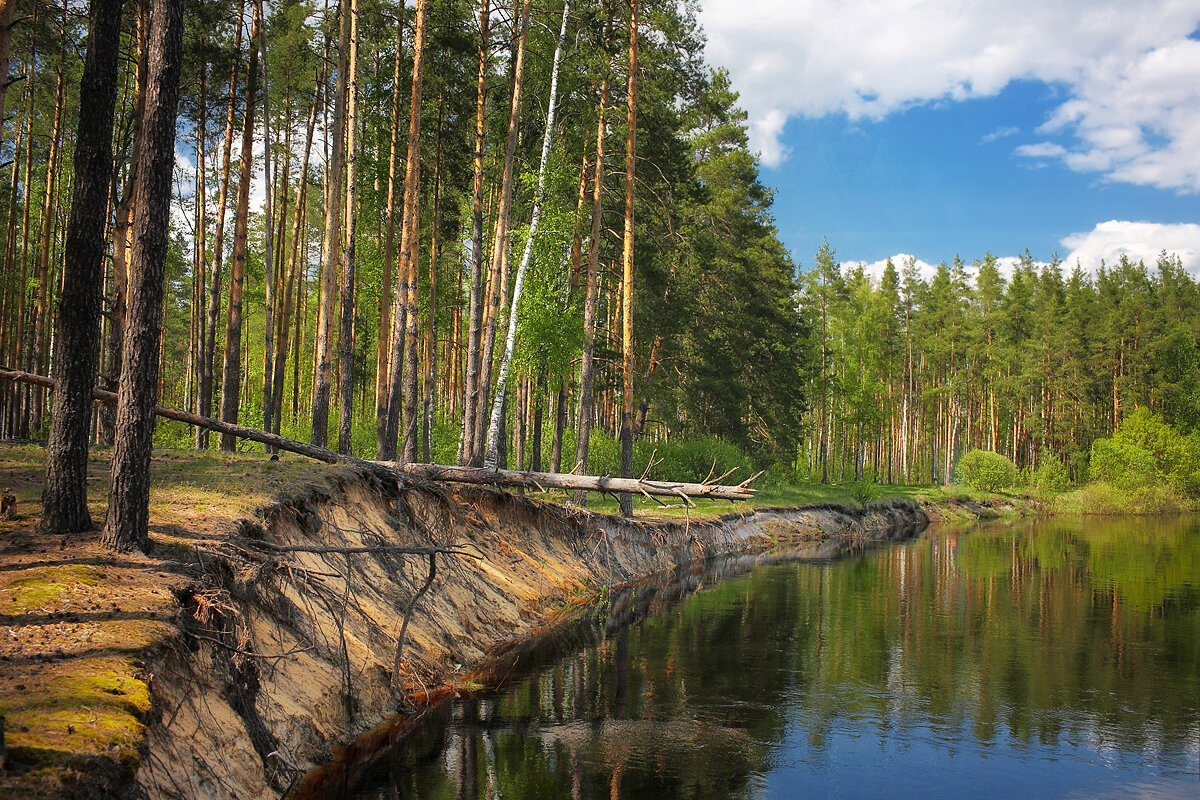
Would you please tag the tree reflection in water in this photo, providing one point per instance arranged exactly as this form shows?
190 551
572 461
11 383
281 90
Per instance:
1039 659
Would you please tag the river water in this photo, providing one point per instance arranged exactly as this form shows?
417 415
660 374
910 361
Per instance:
1050 659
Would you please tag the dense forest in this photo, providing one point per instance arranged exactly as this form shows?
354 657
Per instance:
1037 366
526 233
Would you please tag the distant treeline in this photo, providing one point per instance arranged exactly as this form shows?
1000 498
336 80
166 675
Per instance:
909 374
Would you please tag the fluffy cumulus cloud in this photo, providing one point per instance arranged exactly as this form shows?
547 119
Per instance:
901 261
1106 243
1129 71
1139 241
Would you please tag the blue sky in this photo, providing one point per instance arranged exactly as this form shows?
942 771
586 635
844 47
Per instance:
943 127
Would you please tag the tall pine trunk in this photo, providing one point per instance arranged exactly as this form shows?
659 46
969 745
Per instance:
346 327
129 499
42 312
510 338
404 341
471 387
429 404
626 500
231 377
269 248
208 360
333 229
587 368
384 344
499 268
64 497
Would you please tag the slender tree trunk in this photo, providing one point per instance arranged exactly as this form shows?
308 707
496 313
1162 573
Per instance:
346 328
404 341
333 231
497 282
626 499
471 383
539 411
539 198
430 403
208 362
231 377
200 269
128 505
587 369
269 248
64 497
293 293
384 344
18 348
42 311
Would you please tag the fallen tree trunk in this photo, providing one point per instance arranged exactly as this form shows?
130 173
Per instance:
240 431
569 481
431 472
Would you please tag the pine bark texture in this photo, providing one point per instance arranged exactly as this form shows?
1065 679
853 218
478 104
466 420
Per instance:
402 377
64 497
129 498
346 326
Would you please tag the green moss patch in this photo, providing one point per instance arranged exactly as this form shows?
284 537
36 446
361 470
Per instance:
40 588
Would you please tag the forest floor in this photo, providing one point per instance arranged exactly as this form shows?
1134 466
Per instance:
77 620
79 623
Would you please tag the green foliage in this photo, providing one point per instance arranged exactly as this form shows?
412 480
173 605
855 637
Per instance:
1145 452
863 491
1051 476
986 470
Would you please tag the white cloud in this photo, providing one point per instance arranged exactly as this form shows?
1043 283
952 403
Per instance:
1142 241
1004 264
1108 241
1000 133
1130 74
874 269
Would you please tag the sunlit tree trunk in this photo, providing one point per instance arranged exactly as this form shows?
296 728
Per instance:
208 361
526 256
346 328
384 343
471 387
431 360
231 377
626 500
333 228
269 245
499 268
403 376
587 370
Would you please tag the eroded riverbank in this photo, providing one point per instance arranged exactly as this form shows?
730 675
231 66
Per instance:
241 718
256 663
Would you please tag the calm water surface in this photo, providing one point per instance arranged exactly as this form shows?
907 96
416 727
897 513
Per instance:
1053 659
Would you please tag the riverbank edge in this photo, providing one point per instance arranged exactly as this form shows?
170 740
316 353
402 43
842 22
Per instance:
243 678
232 717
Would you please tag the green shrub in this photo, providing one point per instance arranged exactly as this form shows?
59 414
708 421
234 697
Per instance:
985 470
1122 463
1051 476
863 492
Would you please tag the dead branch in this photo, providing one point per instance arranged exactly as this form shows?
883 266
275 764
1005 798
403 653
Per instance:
406 473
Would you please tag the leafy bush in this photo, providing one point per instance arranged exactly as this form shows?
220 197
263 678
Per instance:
1144 452
1103 498
1051 476
863 492
985 470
